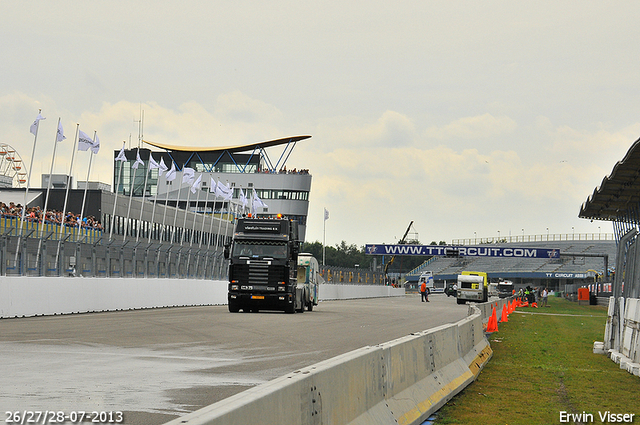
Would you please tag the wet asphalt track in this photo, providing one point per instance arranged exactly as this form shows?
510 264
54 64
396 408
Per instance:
155 365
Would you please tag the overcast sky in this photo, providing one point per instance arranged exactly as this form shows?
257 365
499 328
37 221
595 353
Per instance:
466 117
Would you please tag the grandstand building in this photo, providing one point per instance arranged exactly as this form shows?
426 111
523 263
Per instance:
581 263
247 168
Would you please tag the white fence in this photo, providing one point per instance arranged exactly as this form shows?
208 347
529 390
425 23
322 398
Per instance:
622 342
23 296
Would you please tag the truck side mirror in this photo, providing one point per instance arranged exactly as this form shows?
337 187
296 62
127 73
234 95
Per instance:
226 252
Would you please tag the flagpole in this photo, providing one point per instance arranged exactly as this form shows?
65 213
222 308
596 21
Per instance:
204 217
26 191
213 214
324 235
144 191
86 183
206 201
175 216
132 183
215 260
193 230
186 210
155 201
115 195
46 199
66 196
226 226
166 200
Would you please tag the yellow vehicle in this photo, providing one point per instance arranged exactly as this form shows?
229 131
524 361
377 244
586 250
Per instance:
473 286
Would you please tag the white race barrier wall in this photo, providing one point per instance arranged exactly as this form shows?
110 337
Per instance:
626 346
36 296
403 381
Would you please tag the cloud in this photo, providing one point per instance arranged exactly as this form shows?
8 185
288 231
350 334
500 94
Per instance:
476 127
365 171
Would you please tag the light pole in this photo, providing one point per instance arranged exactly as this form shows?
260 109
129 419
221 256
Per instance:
547 234
522 235
573 230
475 238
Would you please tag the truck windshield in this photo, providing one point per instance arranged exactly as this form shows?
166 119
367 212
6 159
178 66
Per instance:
254 249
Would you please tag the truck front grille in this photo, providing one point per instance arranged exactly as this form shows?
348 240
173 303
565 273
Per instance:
259 274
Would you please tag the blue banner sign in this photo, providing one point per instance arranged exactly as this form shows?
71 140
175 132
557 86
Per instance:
462 251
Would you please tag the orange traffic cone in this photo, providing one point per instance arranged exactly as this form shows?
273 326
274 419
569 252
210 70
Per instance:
504 317
492 324
512 307
534 305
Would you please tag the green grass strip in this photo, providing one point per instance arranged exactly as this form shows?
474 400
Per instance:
543 364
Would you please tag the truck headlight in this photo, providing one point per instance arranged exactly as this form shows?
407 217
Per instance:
234 287
281 288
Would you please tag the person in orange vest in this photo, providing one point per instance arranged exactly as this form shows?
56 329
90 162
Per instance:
424 292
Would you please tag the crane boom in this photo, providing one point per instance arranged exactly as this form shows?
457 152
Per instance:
400 242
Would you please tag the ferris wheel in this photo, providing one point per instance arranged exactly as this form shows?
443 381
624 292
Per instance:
12 167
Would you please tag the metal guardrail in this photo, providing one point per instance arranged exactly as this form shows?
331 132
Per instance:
333 274
557 237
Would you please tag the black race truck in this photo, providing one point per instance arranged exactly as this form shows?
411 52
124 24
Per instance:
263 266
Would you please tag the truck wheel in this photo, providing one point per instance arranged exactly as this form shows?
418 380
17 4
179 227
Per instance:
233 307
310 305
460 301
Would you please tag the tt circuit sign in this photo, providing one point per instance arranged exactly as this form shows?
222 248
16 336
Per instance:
462 251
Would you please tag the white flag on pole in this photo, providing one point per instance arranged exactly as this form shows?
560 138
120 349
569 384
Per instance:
152 163
85 142
96 145
163 166
223 191
60 133
171 174
36 123
121 156
188 174
138 161
243 198
196 184
326 214
257 202
214 187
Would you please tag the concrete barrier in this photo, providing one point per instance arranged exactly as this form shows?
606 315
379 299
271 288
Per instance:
402 381
23 296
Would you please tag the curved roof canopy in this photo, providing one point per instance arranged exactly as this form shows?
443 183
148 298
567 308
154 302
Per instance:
618 197
232 149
